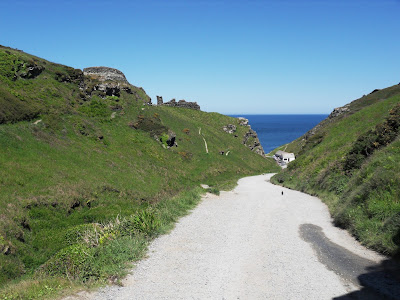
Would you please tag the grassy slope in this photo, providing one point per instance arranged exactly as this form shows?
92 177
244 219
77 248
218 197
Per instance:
364 200
80 166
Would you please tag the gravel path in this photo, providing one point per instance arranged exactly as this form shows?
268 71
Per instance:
244 244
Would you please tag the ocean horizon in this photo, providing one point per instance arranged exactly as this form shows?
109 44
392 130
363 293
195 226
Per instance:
275 130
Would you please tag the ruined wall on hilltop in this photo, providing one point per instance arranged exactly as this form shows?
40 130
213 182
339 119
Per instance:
180 103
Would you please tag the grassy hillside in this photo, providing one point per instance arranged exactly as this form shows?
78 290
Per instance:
352 161
87 179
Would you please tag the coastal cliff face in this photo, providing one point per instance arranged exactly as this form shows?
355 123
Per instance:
250 137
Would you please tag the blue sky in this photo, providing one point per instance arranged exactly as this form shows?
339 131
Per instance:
232 57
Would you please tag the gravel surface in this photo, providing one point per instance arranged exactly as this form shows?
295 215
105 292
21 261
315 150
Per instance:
243 244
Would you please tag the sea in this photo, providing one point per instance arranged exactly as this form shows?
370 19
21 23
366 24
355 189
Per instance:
276 130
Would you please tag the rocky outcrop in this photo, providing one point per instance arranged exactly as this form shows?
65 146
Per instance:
230 128
243 121
105 74
70 75
105 81
180 103
374 91
27 70
171 141
339 111
251 140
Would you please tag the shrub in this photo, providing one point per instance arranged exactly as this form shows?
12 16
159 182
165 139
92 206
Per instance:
164 139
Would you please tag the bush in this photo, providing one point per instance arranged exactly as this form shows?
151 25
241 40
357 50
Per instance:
164 139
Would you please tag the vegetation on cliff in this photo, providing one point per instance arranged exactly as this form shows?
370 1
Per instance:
90 173
351 160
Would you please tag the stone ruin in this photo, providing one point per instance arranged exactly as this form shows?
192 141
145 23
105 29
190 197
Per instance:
180 103
159 100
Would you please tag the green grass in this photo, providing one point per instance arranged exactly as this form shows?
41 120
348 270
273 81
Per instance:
362 192
86 162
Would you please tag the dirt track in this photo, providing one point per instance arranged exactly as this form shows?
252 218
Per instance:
250 243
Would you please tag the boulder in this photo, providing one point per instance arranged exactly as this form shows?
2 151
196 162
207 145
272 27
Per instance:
243 121
230 128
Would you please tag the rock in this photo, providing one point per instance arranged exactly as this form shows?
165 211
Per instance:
33 71
127 89
230 128
109 89
243 121
251 140
70 75
374 91
110 82
27 70
171 140
339 111
105 74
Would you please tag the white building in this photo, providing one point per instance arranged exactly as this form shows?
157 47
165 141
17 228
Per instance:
284 156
